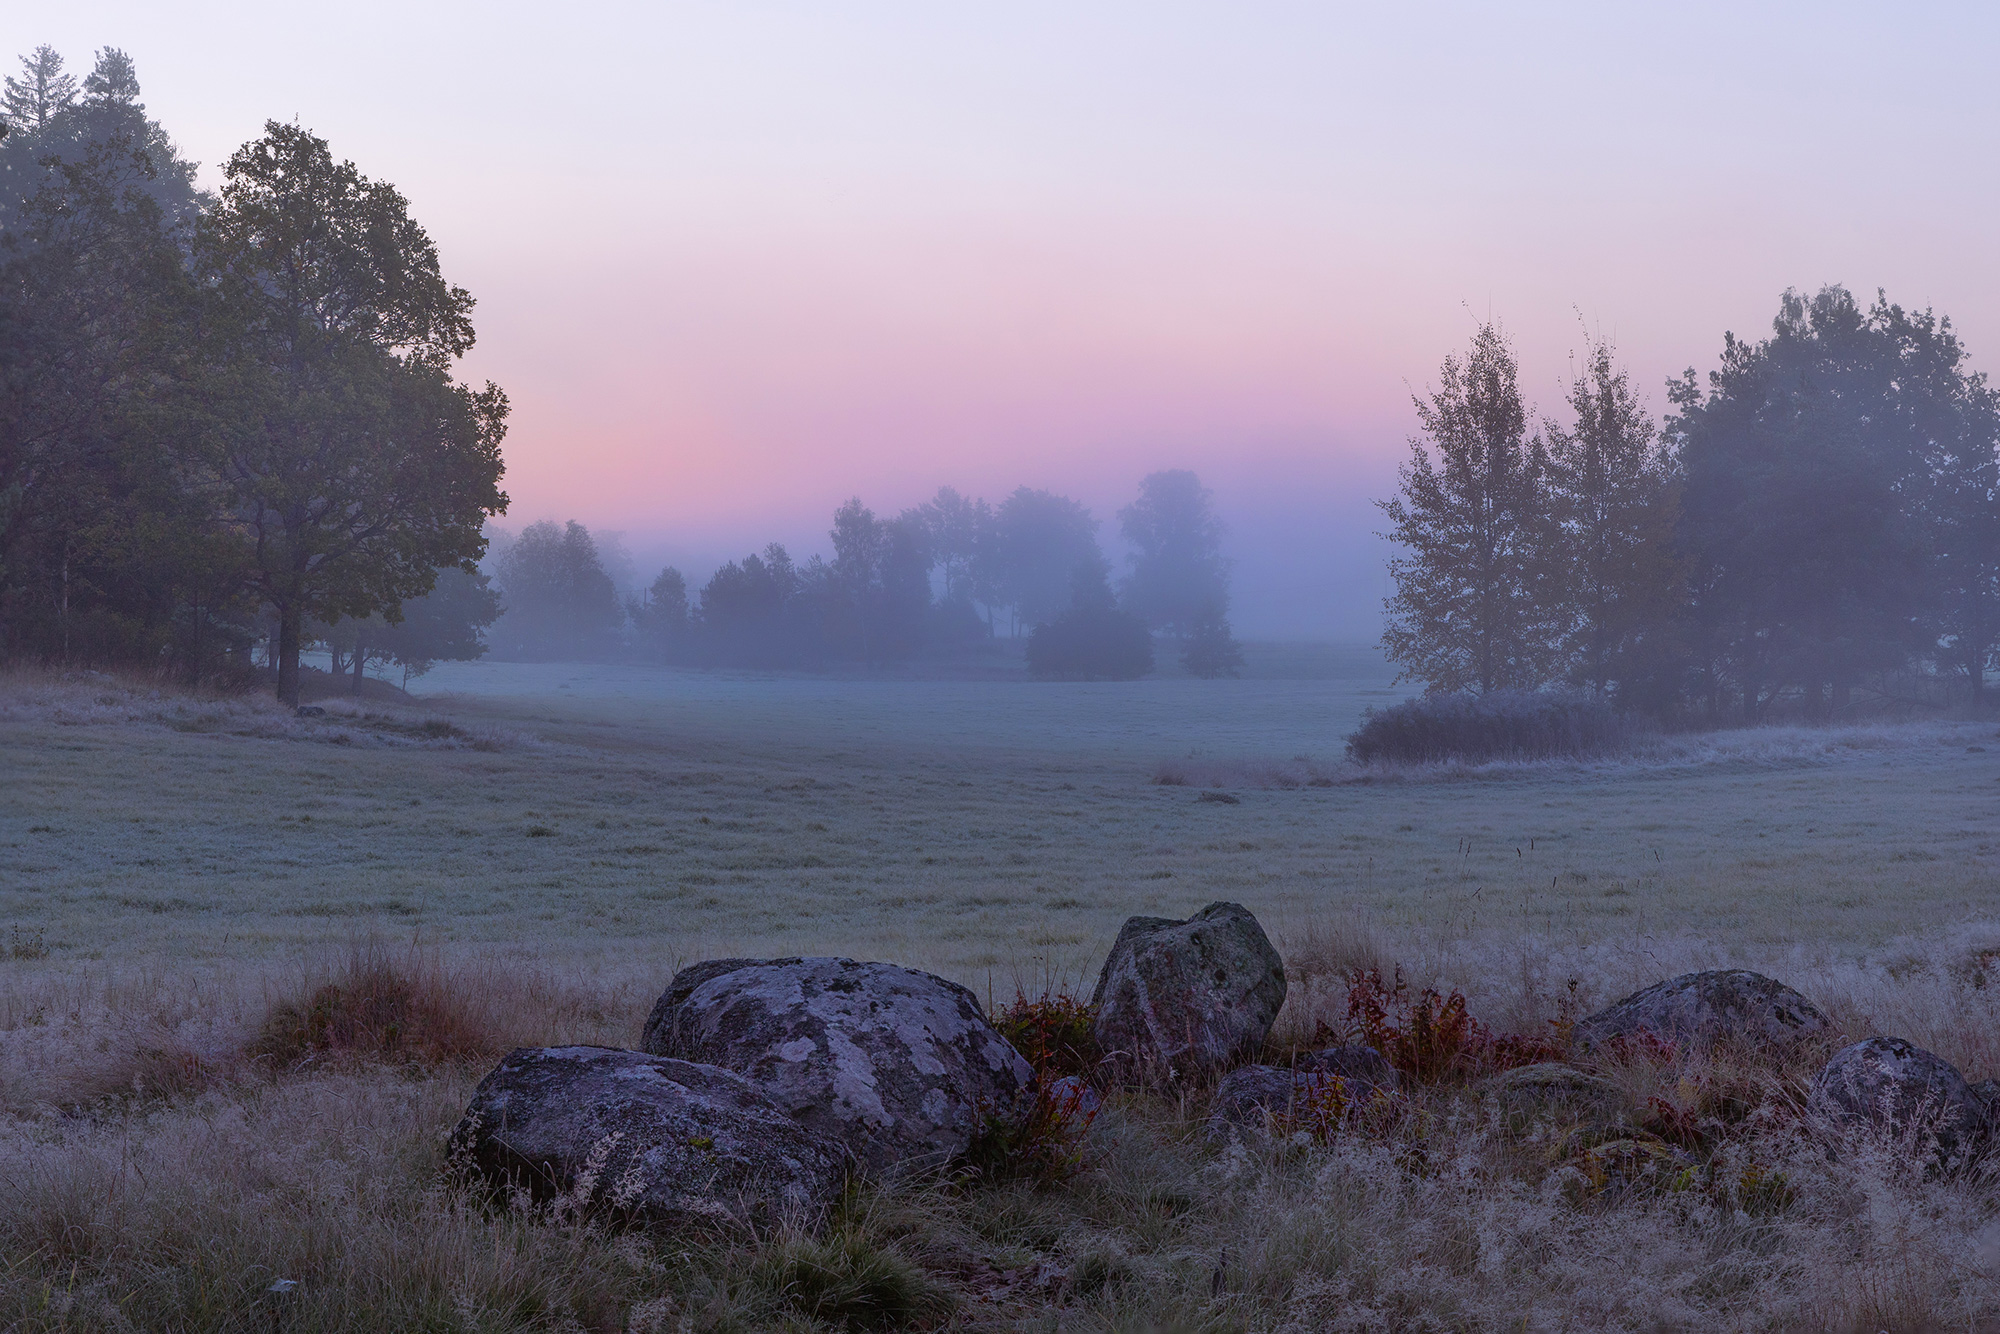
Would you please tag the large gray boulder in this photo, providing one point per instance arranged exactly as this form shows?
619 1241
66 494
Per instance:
663 1140
1707 1009
1179 998
1315 1095
899 1066
1905 1099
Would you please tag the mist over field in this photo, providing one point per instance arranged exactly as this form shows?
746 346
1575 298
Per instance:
691 668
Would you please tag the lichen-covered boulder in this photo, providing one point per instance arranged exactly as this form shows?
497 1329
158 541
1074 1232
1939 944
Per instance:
1706 1009
899 1066
1315 1097
643 1136
1904 1099
1178 998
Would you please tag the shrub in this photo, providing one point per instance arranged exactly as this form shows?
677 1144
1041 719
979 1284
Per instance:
387 1006
1052 1033
1504 724
1433 1038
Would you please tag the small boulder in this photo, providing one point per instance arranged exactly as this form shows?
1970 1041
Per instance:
1903 1097
1987 1091
1073 1100
1257 1097
1725 1005
1181 997
1550 1086
1356 1063
895 1064
663 1140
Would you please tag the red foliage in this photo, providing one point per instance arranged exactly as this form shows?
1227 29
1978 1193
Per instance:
1432 1038
1052 1033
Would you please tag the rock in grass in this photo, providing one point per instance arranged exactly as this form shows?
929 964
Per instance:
1551 1086
897 1065
661 1140
1314 1095
1073 1099
1704 1009
1355 1062
1177 998
1905 1099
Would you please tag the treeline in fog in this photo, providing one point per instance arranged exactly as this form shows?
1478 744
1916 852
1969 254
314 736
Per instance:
939 578
230 420
229 433
1815 525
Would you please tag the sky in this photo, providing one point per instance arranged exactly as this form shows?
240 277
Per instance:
737 262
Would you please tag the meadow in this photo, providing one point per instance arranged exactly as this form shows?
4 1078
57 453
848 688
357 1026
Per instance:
545 845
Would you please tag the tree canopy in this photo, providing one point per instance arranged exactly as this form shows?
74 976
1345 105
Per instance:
1179 575
218 413
1821 515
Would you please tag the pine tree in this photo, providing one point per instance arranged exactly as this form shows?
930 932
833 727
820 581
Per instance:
115 79
1610 499
41 92
1469 608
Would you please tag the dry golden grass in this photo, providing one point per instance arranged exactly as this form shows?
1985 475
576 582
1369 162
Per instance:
250 1031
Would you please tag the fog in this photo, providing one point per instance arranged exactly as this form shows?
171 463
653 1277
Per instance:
1305 567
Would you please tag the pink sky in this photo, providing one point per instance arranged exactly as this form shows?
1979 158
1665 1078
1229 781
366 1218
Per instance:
737 262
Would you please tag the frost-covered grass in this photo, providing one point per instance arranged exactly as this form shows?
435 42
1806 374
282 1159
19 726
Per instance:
166 890
185 1171
98 699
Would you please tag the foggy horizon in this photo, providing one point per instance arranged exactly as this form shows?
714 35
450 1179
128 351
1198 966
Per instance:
733 269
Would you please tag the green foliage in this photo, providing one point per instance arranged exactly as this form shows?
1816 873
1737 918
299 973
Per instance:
206 417
1613 583
1468 612
354 464
1839 508
1823 516
41 93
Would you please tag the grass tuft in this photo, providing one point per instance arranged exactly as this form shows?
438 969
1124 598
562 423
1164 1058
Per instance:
385 1004
848 1281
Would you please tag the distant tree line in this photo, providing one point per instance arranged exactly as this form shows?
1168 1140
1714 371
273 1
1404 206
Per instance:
229 432
225 420
938 578
1818 521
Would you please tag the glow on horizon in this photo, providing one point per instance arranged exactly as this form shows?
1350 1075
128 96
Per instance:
736 263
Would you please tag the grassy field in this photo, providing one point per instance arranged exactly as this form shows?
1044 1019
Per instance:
556 840
974 828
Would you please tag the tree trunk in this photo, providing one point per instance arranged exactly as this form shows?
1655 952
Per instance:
360 661
288 654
